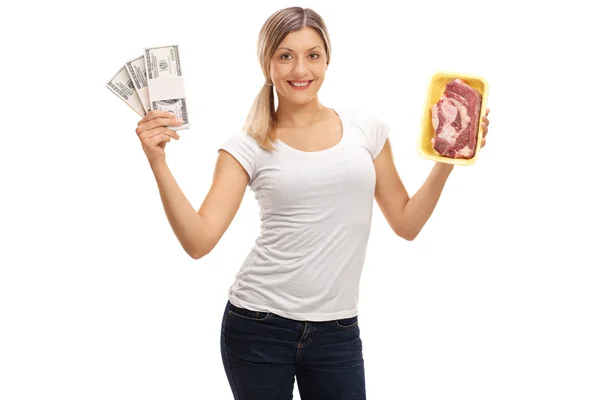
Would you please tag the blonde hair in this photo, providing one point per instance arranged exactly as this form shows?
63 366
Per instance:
261 120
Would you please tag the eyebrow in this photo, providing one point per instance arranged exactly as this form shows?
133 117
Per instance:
294 51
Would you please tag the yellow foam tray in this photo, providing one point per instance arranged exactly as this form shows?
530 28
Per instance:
436 88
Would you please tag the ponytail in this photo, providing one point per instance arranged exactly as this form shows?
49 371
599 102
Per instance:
261 120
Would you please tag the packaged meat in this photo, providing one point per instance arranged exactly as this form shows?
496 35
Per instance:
451 130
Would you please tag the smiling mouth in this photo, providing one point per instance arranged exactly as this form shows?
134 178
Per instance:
300 84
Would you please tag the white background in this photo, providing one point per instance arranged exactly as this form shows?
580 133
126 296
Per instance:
497 298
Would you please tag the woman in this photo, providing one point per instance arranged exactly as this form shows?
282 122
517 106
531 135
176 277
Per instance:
292 310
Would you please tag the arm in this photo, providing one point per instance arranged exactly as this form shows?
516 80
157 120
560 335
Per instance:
406 215
199 232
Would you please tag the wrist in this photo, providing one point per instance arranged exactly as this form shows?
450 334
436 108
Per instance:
444 167
158 164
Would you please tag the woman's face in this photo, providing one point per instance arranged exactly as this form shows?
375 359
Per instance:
298 66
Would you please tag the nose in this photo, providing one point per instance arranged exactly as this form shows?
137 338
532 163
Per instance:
299 67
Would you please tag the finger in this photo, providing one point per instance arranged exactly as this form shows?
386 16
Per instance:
145 134
483 140
486 120
159 139
487 112
156 122
155 114
158 131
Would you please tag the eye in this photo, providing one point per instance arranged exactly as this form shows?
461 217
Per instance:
283 55
315 54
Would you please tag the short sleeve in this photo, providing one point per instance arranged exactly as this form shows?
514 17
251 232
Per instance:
244 149
378 134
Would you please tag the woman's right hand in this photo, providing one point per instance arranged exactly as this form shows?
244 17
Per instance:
154 134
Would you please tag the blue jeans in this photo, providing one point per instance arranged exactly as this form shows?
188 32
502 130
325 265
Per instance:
263 353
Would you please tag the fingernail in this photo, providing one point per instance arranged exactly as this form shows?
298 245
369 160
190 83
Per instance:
179 121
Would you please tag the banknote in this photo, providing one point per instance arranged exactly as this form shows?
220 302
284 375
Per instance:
136 68
165 82
122 86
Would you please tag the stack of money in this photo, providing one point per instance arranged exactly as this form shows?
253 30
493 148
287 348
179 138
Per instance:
153 81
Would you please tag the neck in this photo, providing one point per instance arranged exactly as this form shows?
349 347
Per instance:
291 115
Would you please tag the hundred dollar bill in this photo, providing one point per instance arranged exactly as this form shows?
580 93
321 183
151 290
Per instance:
122 85
136 69
165 82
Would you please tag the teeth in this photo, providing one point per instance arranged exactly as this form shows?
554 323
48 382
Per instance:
300 84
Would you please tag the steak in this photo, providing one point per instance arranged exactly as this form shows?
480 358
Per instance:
455 120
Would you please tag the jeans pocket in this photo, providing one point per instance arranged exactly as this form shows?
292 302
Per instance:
346 323
248 314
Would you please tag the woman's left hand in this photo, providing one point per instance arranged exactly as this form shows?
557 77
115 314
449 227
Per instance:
484 125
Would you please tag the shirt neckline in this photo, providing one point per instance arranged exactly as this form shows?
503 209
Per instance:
338 144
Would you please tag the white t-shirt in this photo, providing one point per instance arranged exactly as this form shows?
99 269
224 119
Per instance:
315 212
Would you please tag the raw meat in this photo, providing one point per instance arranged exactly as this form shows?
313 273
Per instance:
455 120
